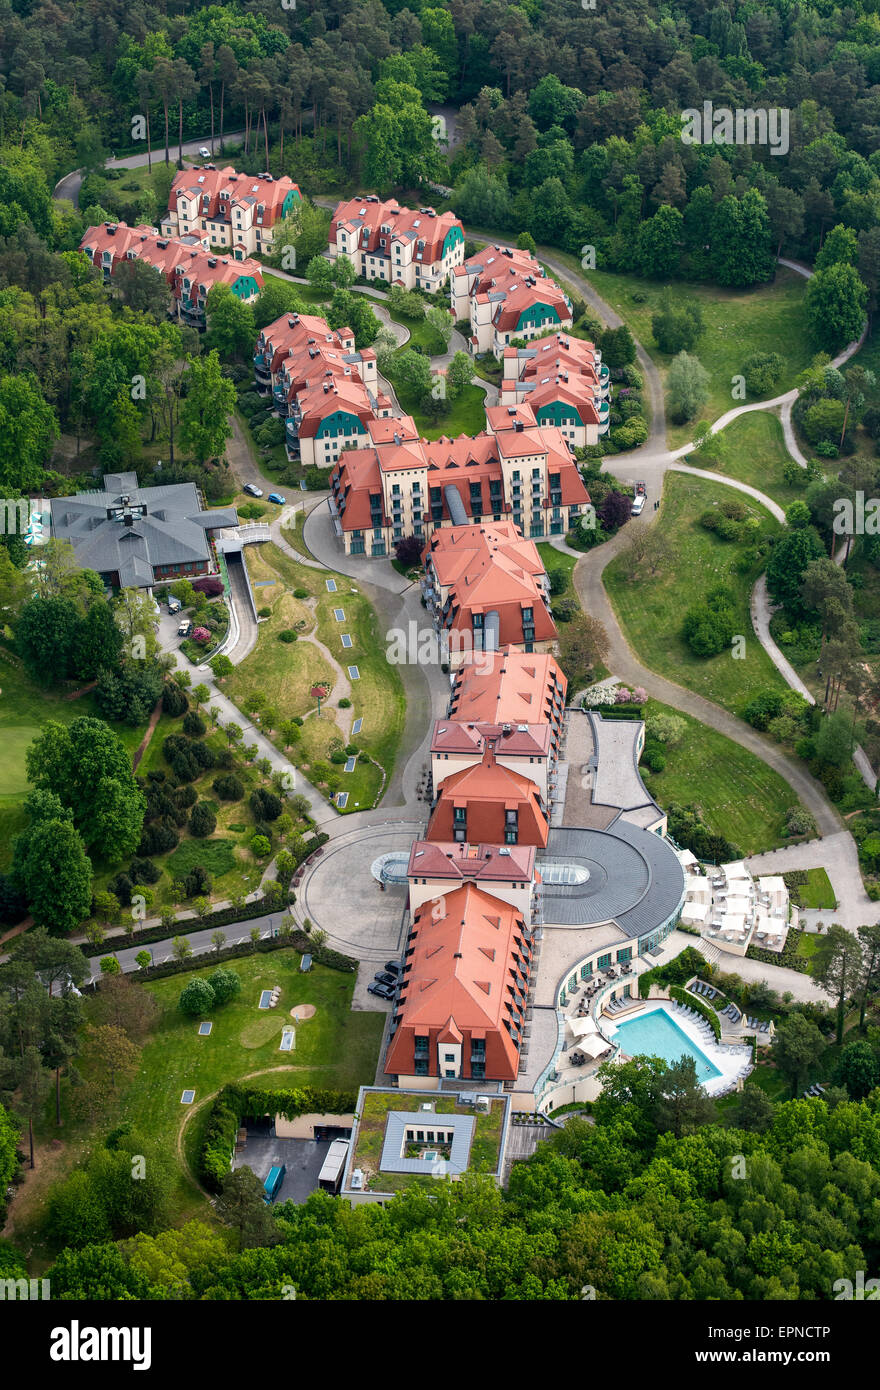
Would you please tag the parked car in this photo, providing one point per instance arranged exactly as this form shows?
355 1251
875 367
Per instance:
384 977
277 498
252 490
382 991
394 966
185 628
204 152
639 500
174 604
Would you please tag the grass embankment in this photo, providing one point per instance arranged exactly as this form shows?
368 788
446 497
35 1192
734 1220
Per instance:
286 672
738 795
768 318
752 450
651 607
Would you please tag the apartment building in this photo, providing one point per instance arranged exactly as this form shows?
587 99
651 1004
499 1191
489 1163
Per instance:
504 295
232 210
505 871
462 1006
322 387
509 687
189 268
527 748
485 588
564 383
488 803
400 485
402 246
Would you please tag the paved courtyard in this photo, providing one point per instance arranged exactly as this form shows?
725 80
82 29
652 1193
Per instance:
304 1159
340 895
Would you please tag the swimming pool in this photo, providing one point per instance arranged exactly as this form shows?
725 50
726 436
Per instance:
656 1034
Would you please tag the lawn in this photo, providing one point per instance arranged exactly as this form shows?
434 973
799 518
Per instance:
24 708
651 608
752 450
815 893
337 1048
557 562
371 1137
738 795
464 415
286 672
768 318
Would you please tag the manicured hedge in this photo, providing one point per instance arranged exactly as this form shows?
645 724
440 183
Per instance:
681 996
299 940
787 956
617 711
234 1104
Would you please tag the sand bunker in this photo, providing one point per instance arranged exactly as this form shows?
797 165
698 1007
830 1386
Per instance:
302 1011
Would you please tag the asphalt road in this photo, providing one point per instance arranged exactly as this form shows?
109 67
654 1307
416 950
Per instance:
199 940
69 186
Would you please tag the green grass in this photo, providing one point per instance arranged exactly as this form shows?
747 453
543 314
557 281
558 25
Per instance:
738 795
286 672
809 944
337 1048
466 414
371 1137
651 608
557 562
768 318
752 450
214 855
815 893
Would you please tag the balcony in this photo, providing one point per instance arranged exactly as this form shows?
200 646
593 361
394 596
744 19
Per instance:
280 401
291 430
262 368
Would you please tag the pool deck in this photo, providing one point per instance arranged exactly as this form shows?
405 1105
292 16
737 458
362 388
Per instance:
728 1060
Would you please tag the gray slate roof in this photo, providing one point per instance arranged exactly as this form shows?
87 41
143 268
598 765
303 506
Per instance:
635 878
398 1121
168 527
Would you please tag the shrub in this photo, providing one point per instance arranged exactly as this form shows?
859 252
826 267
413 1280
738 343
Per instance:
264 612
197 998
229 787
265 805
174 701
202 821
193 725
287 634
226 985
344 703
709 626
208 585
144 871
300 593
260 846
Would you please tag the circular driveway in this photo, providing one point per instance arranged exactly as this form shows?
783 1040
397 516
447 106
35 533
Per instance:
340 894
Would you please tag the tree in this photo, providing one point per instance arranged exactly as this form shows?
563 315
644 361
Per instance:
197 998
796 1045
180 948
583 645
123 1003
787 564
28 429
762 371
837 965
218 940
742 249
204 414
709 626
753 1111
143 288
54 874
88 767
45 637
618 347
682 1105
870 939
241 1204
658 243
109 1062
231 328
226 985
143 959
836 301
687 387
858 1069
412 371
840 247
9 1136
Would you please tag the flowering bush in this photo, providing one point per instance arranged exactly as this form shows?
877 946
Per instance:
599 695
201 635
640 694
622 696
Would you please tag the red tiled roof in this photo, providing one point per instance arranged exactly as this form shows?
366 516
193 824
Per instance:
463 862
508 686
242 189
407 224
466 968
520 740
488 790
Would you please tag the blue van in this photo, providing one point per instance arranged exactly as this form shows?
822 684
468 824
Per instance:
272 1185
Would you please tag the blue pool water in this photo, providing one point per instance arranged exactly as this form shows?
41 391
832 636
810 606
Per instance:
656 1034
265 999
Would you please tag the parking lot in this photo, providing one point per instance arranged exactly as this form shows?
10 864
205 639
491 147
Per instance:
303 1159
